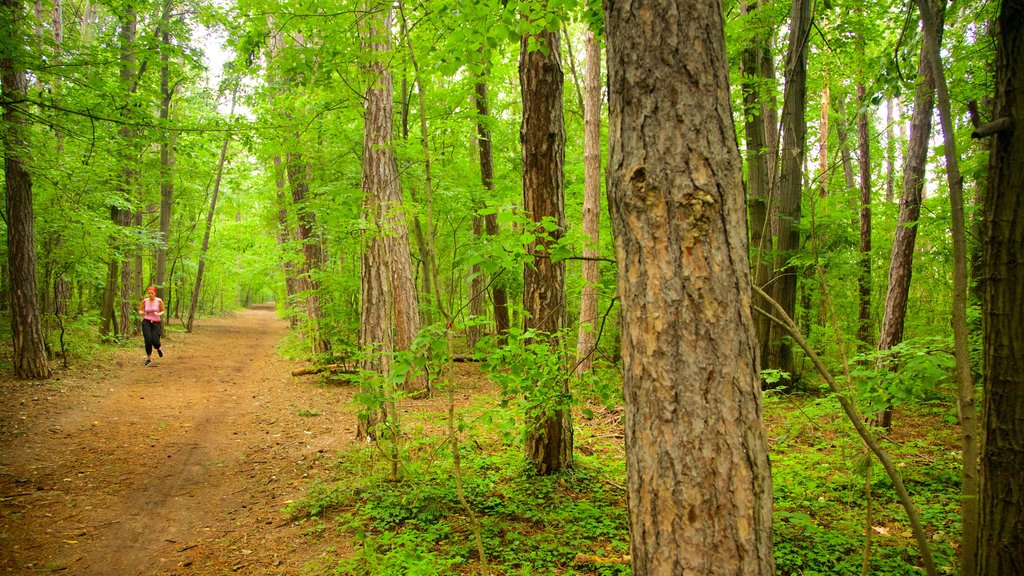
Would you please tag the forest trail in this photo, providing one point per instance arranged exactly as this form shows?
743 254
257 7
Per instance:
183 467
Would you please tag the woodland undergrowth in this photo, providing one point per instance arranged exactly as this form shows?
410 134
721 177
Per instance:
576 522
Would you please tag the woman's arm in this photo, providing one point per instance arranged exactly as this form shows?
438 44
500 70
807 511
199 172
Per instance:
142 306
162 309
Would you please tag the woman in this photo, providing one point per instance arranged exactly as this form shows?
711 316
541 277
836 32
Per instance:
152 308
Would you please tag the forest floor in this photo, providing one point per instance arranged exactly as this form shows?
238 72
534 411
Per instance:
184 467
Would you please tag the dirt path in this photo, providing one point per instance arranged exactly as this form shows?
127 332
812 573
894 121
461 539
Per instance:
179 468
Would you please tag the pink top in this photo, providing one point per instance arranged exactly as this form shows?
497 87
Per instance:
151 307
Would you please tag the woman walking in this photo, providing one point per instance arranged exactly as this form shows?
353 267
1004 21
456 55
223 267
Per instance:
152 308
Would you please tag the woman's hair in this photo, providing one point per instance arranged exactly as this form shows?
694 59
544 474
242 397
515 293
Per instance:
151 288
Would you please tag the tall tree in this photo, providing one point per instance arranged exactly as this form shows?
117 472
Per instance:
383 202
587 339
29 350
1000 537
306 235
549 433
794 136
864 331
759 173
499 296
932 17
901 261
167 154
696 453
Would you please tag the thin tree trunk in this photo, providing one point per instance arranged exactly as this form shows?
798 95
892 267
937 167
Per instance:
697 458
864 330
823 175
890 151
932 15
844 145
283 235
902 258
999 538
499 295
123 216
549 433
167 157
586 341
29 354
209 221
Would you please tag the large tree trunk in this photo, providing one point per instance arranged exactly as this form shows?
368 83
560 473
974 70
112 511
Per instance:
696 453
283 235
549 434
499 296
1000 535
383 192
129 179
794 137
587 337
759 176
29 355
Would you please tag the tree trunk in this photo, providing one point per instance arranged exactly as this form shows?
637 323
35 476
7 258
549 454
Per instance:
890 151
209 221
312 255
696 453
932 15
167 157
382 190
29 354
794 137
864 330
549 434
499 296
283 235
122 216
1000 535
586 341
902 259
759 175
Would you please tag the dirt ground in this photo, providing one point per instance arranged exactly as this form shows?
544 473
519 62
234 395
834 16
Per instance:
183 467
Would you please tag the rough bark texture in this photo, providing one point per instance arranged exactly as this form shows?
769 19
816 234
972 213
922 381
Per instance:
697 463
283 235
549 438
587 337
794 138
499 296
29 354
1000 537
382 186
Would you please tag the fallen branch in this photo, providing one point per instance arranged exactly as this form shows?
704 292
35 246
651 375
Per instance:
331 368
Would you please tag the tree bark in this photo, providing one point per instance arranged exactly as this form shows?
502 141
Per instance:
1000 535
586 340
890 151
696 453
29 355
794 138
864 330
382 189
499 295
759 175
167 157
549 436
312 255
901 262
